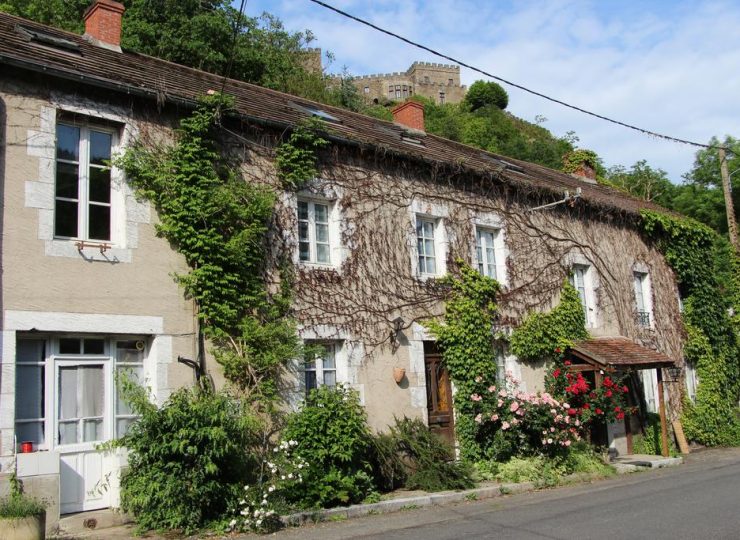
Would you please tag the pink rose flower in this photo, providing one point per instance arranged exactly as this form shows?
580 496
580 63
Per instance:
479 418
505 425
514 406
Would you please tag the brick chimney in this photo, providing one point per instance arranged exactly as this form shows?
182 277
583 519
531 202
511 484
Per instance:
103 24
409 114
586 173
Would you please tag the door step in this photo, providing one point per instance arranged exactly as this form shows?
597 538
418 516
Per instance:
82 522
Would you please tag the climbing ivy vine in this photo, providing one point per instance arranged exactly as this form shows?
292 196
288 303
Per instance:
546 336
296 158
707 272
218 222
466 338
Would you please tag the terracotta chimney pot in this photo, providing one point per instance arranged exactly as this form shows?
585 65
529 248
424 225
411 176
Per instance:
103 23
409 114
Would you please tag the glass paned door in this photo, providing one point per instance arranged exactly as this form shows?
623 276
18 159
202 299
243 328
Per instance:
81 403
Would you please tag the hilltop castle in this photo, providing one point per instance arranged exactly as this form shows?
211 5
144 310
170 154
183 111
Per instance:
439 82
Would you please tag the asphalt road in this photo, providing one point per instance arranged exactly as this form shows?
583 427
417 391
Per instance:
698 500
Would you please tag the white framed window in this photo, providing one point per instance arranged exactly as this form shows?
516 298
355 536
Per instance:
66 393
426 245
314 236
129 359
366 90
692 381
82 192
643 299
320 365
30 386
649 378
485 251
582 281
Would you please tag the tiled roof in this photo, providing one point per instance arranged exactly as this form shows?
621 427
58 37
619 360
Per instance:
620 352
74 58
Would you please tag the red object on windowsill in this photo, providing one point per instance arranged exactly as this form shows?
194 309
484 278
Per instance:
26 447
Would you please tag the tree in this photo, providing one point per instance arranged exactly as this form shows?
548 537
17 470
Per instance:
484 93
64 14
195 33
701 195
642 181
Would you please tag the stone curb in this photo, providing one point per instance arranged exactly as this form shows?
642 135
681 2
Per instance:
449 497
407 503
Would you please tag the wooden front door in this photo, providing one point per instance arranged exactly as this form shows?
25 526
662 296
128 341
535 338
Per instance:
439 394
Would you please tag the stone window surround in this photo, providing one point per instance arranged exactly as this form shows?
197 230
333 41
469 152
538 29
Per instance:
592 284
492 222
321 194
348 358
440 214
127 212
647 291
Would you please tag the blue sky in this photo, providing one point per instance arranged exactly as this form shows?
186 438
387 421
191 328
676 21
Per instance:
668 66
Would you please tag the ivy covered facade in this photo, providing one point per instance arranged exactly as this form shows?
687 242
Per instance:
237 228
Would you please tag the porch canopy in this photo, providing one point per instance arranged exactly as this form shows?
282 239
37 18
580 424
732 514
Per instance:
618 353
622 354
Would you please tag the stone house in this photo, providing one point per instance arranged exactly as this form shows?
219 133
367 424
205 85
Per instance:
86 285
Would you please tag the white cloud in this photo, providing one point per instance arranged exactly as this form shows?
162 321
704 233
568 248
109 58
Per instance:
667 66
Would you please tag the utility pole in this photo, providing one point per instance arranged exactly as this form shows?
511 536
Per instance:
729 208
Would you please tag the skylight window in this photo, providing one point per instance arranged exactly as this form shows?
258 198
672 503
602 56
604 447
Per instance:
42 38
411 138
512 167
317 113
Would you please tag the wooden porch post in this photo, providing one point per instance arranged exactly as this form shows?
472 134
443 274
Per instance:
661 406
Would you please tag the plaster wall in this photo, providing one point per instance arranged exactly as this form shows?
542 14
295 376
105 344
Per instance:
133 278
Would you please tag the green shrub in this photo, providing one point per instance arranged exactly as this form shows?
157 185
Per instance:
334 438
650 443
188 460
429 460
390 470
20 506
543 471
582 458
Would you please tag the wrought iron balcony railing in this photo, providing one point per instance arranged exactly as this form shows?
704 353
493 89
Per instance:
643 319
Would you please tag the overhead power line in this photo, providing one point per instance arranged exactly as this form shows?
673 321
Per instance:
510 83
237 29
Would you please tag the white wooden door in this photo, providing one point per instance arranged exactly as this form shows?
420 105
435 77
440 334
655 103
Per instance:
81 421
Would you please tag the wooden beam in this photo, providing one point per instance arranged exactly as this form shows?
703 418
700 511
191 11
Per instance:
663 422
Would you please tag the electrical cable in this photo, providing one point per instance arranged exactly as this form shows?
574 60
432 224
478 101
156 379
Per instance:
510 83
237 29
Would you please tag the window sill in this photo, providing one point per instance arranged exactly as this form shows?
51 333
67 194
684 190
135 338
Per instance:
90 251
318 266
429 277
